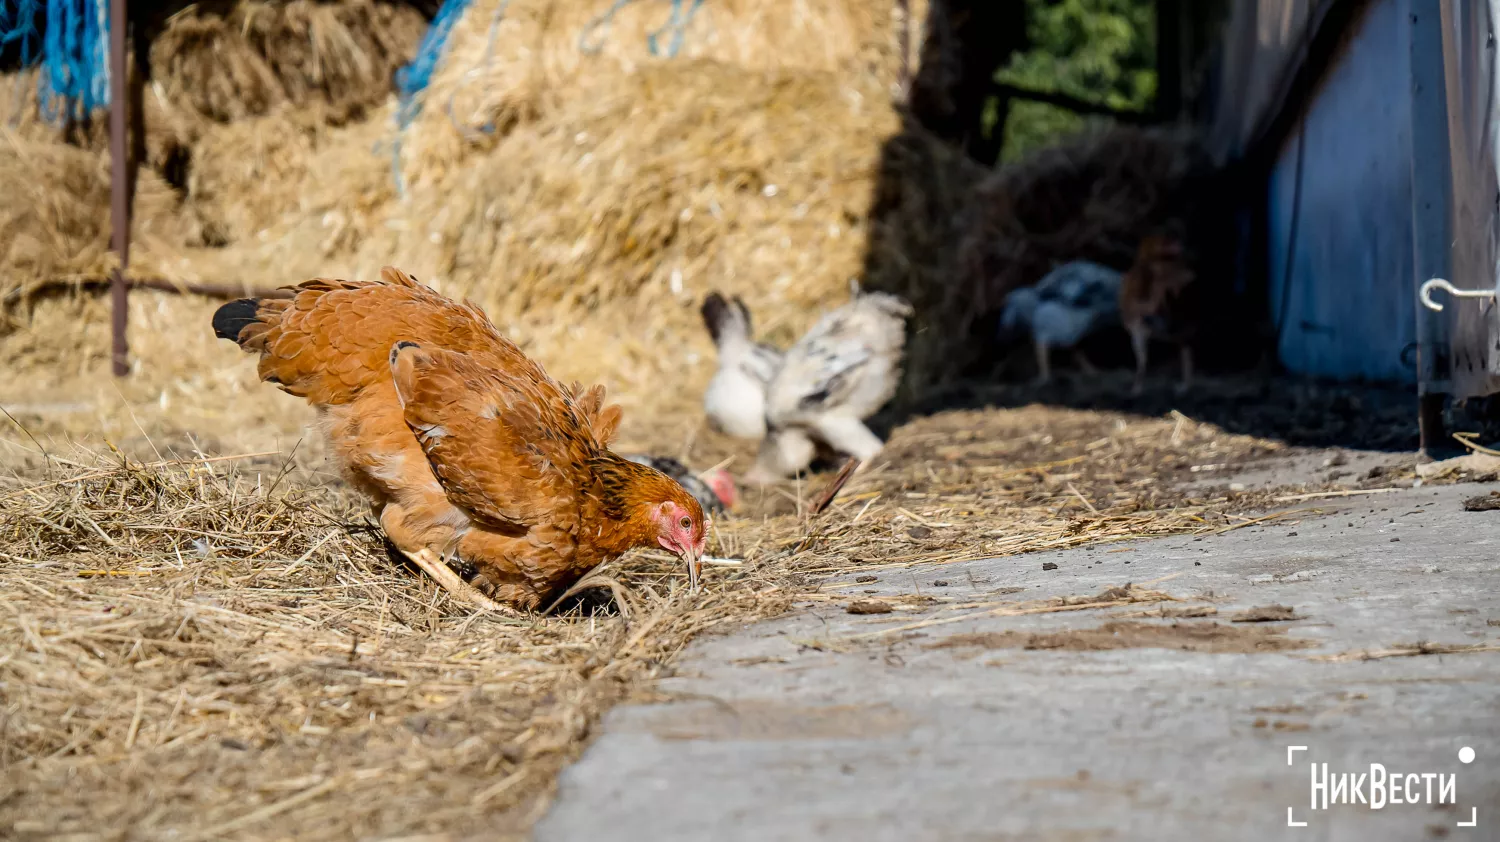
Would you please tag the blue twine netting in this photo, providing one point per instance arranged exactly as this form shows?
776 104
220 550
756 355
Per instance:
75 59
73 50
18 30
677 24
414 78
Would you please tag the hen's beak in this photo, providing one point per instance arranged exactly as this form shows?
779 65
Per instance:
695 567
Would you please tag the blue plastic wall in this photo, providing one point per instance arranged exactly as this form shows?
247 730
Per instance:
1348 309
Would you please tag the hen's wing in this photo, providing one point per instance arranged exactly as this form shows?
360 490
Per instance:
761 362
603 421
836 358
510 446
331 340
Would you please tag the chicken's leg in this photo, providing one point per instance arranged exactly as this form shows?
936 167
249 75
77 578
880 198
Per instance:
461 590
1187 369
408 528
849 436
783 453
1138 342
1043 363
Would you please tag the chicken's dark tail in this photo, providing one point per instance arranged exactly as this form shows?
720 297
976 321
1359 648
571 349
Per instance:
725 318
232 318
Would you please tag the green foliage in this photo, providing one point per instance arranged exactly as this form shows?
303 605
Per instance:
1101 51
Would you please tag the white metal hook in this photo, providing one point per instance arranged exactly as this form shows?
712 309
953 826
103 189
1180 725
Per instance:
1425 293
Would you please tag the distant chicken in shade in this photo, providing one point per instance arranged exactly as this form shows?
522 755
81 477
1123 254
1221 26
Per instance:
1062 309
1159 300
838 374
715 490
463 444
735 400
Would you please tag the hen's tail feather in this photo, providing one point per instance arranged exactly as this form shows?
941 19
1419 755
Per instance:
234 317
724 318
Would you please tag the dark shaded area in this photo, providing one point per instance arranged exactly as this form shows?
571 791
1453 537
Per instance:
925 206
1298 412
24 36
966 44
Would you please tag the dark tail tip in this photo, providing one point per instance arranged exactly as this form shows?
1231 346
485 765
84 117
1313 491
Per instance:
739 305
232 318
399 347
715 314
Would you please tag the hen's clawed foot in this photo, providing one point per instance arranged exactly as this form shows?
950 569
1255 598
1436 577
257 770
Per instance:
457 587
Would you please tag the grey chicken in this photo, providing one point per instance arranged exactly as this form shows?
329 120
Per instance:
1062 309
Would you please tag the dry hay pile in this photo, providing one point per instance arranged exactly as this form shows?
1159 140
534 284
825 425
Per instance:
598 213
616 215
1091 198
225 78
55 217
230 61
214 647
509 62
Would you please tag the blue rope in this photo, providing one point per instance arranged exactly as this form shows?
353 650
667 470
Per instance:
678 23
602 23
18 24
414 78
484 63
75 59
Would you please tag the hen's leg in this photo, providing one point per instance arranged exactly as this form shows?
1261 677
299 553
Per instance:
1043 363
782 453
395 521
1187 368
461 590
850 436
1138 341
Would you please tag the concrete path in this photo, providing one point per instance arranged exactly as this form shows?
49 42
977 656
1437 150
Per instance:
957 732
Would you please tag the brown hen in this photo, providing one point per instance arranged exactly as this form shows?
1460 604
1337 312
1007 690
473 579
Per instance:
1159 298
463 444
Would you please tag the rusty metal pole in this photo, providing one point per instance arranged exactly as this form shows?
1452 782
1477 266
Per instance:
119 188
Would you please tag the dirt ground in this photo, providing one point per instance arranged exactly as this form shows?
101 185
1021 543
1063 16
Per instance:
206 637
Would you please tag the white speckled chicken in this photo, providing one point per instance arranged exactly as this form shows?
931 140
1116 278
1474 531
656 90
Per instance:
840 373
735 400
1062 309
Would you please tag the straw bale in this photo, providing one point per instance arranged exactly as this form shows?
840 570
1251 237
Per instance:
227 62
55 216
509 62
1092 198
282 171
610 217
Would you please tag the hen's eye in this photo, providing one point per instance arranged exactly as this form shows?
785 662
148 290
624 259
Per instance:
685 523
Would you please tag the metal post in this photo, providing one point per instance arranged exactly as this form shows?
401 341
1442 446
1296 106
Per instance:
119 188
1431 192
